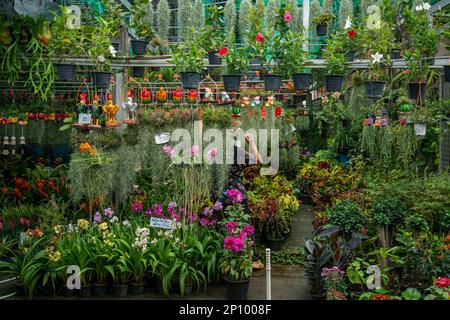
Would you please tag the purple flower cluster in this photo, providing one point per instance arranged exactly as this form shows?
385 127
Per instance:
235 244
137 207
235 196
108 213
231 227
331 271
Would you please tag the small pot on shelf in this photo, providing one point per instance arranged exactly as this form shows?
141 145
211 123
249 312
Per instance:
101 289
119 290
375 89
138 72
275 244
102 80
136 289
214 59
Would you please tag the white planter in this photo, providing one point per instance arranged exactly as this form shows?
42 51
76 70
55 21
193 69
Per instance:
421 129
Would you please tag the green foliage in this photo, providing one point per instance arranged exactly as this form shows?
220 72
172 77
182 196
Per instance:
411 294
188 57
335 56
163 19
348 216
244 17
345 11
270 15
184 17
388 210
230 19
236 60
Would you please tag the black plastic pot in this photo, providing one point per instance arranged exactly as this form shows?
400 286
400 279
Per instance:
415 88
302 81
136 289
66 72
350 56
138 71
139 47
85 291
60 151
333 83
346 123
102 80
237 290
272 82
119 290
231 82
66 292
395 54
100 290
274 244
447 73
190 80
375 89
256 61
188 288
214 59
8 286
321 29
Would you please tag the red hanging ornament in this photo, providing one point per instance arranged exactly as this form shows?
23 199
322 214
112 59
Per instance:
278 111
263 112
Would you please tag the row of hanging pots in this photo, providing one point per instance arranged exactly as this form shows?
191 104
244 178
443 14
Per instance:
67 72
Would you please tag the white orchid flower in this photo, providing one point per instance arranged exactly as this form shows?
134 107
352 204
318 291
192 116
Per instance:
101 58
426 6
113 51
348 23
418 7
376 58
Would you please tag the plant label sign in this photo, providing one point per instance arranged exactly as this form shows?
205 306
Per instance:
84 118
162 138
161 223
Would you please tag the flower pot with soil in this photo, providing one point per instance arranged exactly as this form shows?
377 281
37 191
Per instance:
101 290
136 289
237 290
302 81
119 290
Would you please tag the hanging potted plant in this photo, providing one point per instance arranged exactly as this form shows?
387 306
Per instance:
142 27
350 39
101 51
188 58
420 117
336 65
236 62
423 49
374 85
66 41
212 34
321 23
295 60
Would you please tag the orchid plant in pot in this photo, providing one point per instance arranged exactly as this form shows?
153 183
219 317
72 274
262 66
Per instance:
424 45
236 62
322 22
336 65
236 260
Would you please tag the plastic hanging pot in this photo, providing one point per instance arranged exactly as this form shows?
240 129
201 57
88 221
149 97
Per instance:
214 59
102 79
350 56
447 73
231 82
321 29
420 129
138 71
66 72
395 54
417 91
302 81
237 290
333 83
272 82
139 47
375 89
190 80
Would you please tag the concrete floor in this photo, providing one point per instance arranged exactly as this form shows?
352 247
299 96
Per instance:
288 282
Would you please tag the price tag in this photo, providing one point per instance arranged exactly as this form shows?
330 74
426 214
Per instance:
161 138
161 223
84 118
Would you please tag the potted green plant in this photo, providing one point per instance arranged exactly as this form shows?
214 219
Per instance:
321 22
423 48
7 282
295 60
374 85
336 65
188 58
236 260
420 116
141 26
387 212
66 41
236 62
212 34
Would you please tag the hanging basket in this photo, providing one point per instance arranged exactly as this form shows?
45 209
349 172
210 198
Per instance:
102 80
321 29
375 89
333 83
302 81
214 59
139 47
272 82
417 91
66 72
190 80
231 82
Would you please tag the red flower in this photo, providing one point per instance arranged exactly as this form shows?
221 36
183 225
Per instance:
407 72
287 17
352 34
443 282
259 37
223 51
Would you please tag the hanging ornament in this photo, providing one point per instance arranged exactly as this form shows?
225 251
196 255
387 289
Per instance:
95 113
161 95
256 102
263 112
278 111
270 101
192 96
236 109
146 96
384 122
111 110
177 95
377 122
5 150
130 107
